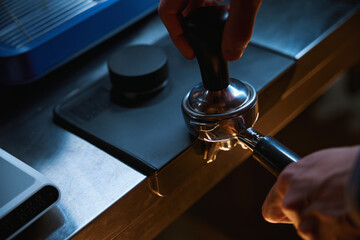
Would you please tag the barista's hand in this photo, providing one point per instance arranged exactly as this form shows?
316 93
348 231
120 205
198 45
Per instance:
237 32
310 194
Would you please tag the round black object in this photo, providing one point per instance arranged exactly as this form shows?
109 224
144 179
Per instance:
138 69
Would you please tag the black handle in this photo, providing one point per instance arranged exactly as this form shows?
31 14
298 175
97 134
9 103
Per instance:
203 28
273 155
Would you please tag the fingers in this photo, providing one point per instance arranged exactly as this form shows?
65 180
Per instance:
310 195
170 13
239 27
237 32
272 209
283 204
288 202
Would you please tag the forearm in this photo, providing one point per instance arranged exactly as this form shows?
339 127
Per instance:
353 193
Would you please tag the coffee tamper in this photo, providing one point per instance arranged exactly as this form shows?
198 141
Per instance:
222 109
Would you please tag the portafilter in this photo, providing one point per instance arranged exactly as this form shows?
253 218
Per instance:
222 108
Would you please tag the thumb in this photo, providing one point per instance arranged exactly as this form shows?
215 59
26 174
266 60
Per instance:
272 209
274 215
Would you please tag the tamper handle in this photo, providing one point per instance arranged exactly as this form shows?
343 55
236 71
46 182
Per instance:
203 28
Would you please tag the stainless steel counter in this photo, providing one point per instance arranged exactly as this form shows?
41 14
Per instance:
102 198
89 179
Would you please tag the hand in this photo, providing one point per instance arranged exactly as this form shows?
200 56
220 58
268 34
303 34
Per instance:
311 195
237 32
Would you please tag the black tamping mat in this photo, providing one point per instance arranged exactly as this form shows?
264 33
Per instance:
140 122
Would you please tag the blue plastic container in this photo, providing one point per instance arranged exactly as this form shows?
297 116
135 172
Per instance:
37 36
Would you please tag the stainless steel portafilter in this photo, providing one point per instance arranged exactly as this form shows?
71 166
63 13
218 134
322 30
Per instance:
222 108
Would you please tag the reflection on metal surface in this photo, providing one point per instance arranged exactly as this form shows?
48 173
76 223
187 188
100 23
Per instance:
246 140
213 148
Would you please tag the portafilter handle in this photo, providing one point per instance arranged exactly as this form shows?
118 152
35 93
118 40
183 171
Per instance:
204 28
273 155
269 152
